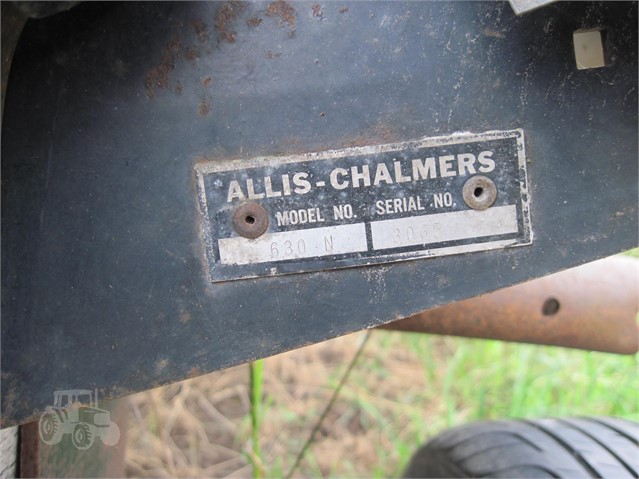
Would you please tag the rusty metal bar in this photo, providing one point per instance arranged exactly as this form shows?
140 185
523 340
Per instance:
592 307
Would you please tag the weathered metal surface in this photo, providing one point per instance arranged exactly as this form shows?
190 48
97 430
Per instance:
365 205
592 307
110 106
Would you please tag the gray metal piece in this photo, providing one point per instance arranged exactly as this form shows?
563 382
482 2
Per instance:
524 6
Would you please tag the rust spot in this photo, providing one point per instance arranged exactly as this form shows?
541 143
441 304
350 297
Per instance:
179 89
317 11
343 10
254 21
174 46
204 109
223 19
207 82
201 31
192 54
281 9
270 55
158 77
379 134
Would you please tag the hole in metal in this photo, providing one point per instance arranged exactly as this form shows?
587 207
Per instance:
249 219
550 307
478 191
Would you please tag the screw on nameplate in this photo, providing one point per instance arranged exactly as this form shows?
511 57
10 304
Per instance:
250 220
479 192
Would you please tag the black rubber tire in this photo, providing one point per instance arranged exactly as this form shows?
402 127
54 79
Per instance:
574 447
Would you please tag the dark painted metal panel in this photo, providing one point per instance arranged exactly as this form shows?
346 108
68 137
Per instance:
109 107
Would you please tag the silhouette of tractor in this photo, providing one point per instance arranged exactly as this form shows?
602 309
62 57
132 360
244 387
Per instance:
76 412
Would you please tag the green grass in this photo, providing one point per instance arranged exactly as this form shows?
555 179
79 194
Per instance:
478 379
491 379
526 380
256 385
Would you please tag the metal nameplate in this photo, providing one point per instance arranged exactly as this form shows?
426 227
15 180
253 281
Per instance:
367 205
